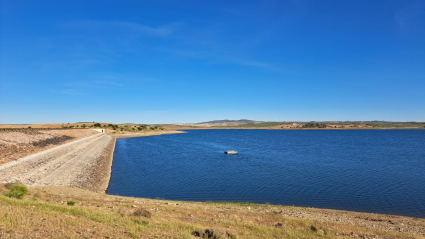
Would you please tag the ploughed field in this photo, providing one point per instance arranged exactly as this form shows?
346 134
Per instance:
17 143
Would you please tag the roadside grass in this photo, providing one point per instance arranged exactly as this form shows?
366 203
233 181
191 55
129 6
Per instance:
99 216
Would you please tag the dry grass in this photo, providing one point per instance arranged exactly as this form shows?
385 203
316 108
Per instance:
45 213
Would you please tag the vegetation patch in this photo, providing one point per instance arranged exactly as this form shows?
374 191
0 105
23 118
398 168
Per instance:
142 213
314 125
52 141
213 233
70 203
17 191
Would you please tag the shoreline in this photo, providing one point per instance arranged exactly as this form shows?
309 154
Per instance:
108 174
134 135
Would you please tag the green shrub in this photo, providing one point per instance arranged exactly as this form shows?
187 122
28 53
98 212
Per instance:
17 191
70 203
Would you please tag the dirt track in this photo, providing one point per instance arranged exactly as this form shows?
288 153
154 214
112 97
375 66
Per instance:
83 163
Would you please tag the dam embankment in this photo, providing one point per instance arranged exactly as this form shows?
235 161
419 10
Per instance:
84 162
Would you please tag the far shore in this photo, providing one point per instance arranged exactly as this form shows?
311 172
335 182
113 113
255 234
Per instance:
144 134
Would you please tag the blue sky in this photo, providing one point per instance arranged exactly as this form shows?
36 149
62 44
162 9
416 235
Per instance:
192 61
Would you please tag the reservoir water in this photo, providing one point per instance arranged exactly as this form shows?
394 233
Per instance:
380 171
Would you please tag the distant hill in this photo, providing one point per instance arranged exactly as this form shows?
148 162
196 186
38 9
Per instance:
228 121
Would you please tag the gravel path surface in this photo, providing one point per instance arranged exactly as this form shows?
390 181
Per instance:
83 163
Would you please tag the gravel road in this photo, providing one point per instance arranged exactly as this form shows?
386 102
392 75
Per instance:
83 163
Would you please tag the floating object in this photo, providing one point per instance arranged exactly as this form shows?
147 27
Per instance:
230 152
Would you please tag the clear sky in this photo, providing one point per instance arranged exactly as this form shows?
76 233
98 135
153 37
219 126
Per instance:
192 61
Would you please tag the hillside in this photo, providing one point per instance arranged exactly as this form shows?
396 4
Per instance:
227 121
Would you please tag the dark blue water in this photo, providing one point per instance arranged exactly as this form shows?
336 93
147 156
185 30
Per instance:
381 171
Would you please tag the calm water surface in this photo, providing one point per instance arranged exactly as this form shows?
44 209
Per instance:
381 171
